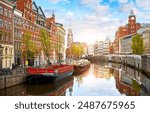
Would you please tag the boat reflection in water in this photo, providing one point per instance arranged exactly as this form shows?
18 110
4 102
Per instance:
131 82
54 89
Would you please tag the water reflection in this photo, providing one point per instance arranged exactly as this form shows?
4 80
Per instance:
53 89
131 82
100 80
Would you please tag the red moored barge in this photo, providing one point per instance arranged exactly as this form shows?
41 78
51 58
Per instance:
50 73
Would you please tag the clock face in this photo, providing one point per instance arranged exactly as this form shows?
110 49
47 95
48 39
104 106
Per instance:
132 18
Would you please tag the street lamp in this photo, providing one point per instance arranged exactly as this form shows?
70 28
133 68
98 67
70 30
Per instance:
1 52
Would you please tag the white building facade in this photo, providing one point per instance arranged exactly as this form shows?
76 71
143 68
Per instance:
90 50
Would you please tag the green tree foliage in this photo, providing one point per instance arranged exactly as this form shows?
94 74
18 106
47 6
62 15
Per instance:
30 48
77 50
59 47
46 44
136 85
137 45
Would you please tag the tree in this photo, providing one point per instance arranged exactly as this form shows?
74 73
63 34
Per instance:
30 48
77 50
59 47
137 45
46 44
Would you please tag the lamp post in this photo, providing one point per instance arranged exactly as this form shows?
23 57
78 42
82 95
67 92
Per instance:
1 52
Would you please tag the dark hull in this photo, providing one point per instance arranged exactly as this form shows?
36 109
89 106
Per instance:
80 69
54 89
45 78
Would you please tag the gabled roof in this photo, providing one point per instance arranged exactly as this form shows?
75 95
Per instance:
40 11
34 7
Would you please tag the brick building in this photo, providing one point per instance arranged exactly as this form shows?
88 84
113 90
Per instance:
6 33
17 37
128 29
30 22
50 23
34 19
60 41
20 16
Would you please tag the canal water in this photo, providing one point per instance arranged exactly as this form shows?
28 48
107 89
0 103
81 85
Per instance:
103 79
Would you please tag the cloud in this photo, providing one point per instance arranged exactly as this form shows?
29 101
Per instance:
57 1
111 1
101 20
119 1
101 9
142 16
90 2
145 4
123 1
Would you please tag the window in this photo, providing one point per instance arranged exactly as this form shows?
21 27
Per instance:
7 37
5 12
5 24
9 26
10 37
20 34
4 36
6 50
1 10
11 51
1 35
15 32
1 23
6 62
9 62
10 14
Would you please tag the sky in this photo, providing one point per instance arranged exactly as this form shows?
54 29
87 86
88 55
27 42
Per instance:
95 20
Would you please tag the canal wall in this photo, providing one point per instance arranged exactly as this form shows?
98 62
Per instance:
97 59
11 80
138 62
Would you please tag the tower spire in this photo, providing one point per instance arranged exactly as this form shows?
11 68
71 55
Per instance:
53 15
132 13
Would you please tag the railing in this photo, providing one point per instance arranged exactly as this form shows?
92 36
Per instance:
5 72
19 71
11 72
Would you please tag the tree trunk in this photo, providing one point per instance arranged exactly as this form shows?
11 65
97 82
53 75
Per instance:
48 61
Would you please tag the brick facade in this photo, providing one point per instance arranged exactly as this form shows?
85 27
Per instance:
26 16
128 29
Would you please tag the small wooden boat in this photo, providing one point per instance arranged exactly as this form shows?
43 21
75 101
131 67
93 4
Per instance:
48 74
83 65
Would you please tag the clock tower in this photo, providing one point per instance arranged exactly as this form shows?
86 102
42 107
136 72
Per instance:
132 23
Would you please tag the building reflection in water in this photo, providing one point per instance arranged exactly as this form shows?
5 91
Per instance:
131 82
102 72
